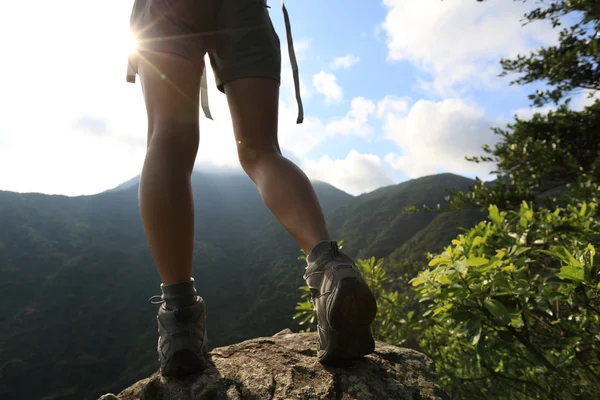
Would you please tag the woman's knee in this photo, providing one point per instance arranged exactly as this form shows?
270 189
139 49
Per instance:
250 155
175 142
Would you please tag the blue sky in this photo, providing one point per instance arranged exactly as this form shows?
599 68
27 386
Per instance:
415 89
335 29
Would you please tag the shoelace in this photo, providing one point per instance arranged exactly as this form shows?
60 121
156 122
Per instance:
159 300
152 300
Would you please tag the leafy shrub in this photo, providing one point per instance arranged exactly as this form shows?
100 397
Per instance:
513 306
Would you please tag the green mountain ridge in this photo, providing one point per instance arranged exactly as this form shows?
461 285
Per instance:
376 223
75 274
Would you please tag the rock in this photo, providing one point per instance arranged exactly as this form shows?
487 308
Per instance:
283 332
285 367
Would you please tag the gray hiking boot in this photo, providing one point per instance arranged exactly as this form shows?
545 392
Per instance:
182 340
343 302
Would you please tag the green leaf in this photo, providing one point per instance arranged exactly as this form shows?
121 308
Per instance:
583 209
523 222
477 261
474 330
443 308
517 322
554 254
509 268
442 279
497 309
495 214
486 267
499 367
499 254
481 348
592 251
572 261
521 250
418 281
477 241
575 273
439 260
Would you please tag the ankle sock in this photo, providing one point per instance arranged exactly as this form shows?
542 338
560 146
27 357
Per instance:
179 295
323 249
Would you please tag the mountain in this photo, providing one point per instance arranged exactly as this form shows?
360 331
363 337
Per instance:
436 235
75 274
133 182
378 223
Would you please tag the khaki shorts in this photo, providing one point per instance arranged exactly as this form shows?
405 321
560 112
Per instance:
238 35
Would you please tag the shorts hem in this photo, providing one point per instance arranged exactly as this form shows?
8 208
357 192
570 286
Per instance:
249 73
191 56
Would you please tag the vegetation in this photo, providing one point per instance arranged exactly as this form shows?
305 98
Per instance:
537 158
515 303
511 308
570 67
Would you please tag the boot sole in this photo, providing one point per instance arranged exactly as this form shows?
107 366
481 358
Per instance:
353 309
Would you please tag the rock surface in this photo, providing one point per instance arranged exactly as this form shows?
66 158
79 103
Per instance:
285 367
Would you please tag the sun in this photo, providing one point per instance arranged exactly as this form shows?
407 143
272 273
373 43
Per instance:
130 44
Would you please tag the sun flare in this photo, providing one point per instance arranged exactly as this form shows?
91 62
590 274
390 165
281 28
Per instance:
131 44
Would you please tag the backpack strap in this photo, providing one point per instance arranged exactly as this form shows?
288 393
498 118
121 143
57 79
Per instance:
293 62
130 69
204 95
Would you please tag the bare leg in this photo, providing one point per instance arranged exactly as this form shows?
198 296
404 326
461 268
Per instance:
285 189
171 90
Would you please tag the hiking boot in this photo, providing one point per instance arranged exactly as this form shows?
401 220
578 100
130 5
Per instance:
344 304
182 342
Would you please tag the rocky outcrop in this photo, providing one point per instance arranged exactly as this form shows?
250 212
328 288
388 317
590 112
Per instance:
285 367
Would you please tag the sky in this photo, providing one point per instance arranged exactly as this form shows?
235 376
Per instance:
392 90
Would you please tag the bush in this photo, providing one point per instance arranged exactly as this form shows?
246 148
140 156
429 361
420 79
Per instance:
513 306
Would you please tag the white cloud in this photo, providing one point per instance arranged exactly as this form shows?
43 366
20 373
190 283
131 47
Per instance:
356 174
527 113
356 121
585 100
436 137
392 104
326 84
344 62
459 42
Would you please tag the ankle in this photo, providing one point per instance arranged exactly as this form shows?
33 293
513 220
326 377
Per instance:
179 294
322 250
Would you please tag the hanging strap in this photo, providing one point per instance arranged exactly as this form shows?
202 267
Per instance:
293 62
204 95
130 70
